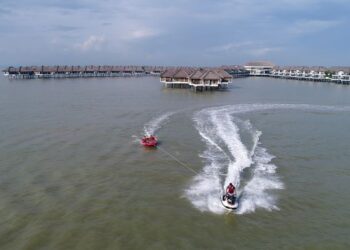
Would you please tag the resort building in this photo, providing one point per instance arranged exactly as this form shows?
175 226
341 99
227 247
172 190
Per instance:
320 74
236 71
259 68
186 77
340 75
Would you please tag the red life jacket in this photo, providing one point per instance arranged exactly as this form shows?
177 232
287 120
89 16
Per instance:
230 189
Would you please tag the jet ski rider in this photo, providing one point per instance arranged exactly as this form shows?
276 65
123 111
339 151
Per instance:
231 192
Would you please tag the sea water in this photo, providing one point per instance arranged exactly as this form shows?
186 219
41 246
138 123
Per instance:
74 176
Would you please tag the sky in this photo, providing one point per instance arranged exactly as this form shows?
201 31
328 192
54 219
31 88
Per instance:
177 32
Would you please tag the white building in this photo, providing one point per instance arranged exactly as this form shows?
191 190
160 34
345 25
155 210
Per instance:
259 68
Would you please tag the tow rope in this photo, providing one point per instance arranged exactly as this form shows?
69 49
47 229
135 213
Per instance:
177 160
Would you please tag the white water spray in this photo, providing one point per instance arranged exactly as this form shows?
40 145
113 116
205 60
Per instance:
227 155
155 124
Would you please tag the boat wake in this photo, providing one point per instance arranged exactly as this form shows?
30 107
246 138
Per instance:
156 123
248 165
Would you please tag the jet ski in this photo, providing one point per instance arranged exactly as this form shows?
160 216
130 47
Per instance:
229 202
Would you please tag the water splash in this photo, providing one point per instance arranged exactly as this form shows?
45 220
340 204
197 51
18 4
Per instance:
255 193
227 155
156 123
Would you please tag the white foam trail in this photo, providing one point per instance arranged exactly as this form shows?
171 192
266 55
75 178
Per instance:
255 193
206 188
155 124
218 128
229 133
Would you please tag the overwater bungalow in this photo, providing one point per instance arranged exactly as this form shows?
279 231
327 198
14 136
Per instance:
340 75
315 73
48 71
11 72
157 70
116 71
197 79
104 71
26 72
186 76
76 71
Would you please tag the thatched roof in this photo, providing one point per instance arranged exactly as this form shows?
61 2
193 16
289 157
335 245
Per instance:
37 68
117 69
105 68
11 70
26 69
158 69
168 73
182 73
139 69
211 75
128 69
223 74
49 69
197 75
91 68
77 69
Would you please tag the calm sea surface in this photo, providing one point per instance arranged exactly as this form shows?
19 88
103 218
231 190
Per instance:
74 176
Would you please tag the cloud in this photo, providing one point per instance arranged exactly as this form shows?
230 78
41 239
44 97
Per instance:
263 51
178 32
247 47
64 28
230 46
91 43
312 26
140 34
